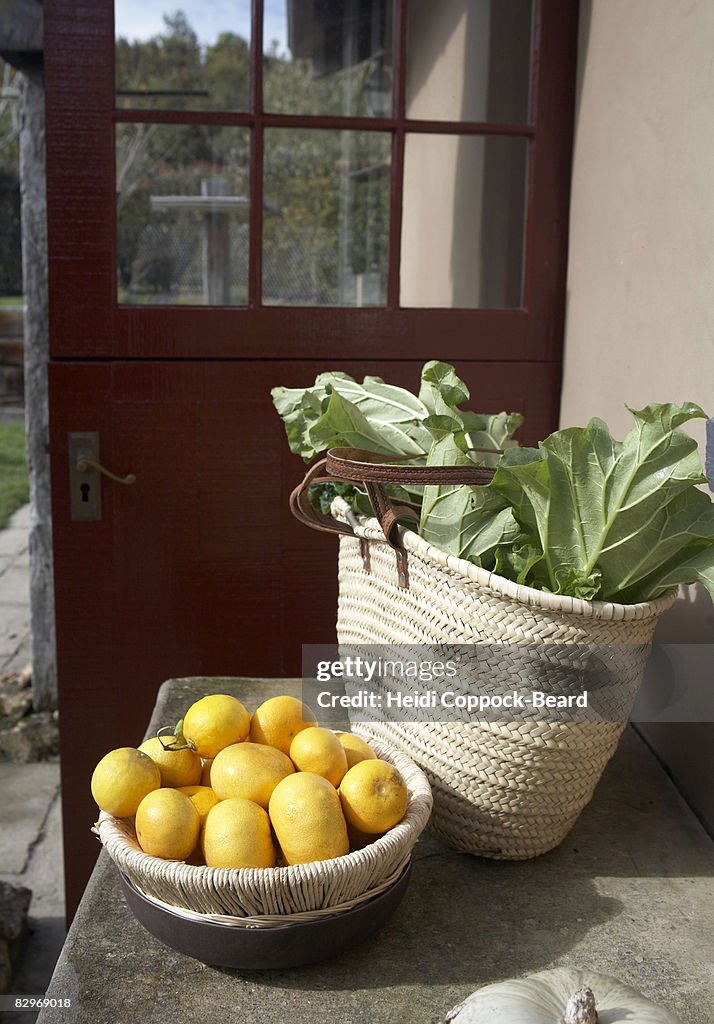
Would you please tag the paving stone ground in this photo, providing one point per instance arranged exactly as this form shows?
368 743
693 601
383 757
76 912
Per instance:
15 646
30 812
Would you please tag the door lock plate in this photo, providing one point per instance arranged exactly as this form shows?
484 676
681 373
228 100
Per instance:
85 488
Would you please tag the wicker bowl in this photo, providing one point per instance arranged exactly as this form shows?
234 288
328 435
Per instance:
265 897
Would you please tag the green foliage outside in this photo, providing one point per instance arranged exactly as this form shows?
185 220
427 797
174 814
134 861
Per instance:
14 486
325 193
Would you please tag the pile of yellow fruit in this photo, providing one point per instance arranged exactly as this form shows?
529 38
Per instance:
233 791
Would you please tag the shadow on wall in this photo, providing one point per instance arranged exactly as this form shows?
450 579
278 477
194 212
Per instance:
690 620
685 747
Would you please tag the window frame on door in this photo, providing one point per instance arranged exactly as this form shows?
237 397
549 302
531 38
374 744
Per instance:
89 323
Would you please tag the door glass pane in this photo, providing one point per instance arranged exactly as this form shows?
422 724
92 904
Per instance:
468 60
325 217
182 214
190 55
328 57
463 221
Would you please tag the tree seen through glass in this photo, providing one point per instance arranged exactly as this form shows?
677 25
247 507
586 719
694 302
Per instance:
183 189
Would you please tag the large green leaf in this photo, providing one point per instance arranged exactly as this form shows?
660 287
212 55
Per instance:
344 424
490 432
464 520
380 401
610 514
442 392
697 567
683 552
300 409
372 415
441 388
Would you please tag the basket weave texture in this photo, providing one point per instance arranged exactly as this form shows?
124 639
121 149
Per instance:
264 896
502 790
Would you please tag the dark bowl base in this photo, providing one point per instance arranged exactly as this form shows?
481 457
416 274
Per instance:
284 946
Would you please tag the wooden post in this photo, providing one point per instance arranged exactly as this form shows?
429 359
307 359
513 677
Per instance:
216 247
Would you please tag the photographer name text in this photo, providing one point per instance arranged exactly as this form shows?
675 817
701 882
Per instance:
449 699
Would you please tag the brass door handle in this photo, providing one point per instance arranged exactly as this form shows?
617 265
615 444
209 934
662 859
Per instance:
85 476
84 464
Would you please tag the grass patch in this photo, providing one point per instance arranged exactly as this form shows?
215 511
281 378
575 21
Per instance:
14 486
10 300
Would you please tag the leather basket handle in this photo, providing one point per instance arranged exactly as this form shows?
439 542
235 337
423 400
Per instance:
373 472
360 465
303 509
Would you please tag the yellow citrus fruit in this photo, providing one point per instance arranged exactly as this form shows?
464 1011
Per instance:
177 767
237 835
355 748
167 824
307 817
319 750
250 770
206 771
214 722
202 797
278 720
122 779
374 796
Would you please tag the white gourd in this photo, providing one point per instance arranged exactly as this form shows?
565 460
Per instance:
560 996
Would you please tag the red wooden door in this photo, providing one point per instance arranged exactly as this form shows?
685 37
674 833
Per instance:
198 567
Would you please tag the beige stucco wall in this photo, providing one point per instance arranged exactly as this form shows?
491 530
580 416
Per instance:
640 318
640 322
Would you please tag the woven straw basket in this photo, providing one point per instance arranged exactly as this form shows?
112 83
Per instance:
261 897
507 791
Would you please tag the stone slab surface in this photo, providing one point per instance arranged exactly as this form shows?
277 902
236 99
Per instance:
628 893
15 582
14 622
13 540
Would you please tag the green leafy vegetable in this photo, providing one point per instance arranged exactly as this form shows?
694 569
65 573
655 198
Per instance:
343 423
442 391
471 522
322 495
583 514
616 520
337 411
